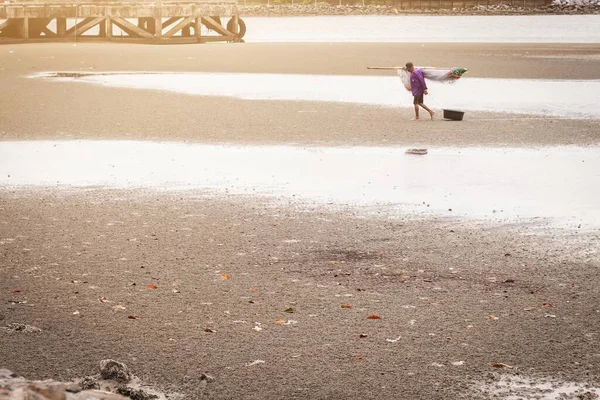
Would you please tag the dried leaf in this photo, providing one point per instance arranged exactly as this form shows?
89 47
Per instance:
547 304
334 261
103 300
134 317
373 316
529 309
15 291
289 310
209 330
493 317
550 316
118 307
280 321
74 281
363 335
501 365
509 281
176 291
253 289
457 363
346 306
225 276
151 286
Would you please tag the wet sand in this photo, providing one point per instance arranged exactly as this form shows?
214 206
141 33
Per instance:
438 286
33 109
447 290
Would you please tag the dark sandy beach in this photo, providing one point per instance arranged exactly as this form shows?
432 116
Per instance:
448 291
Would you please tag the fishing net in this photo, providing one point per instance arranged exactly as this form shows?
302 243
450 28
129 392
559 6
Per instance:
434 74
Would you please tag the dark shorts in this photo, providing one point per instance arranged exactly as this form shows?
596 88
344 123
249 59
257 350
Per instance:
418 99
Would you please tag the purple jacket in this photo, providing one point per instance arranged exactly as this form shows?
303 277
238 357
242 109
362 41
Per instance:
417 82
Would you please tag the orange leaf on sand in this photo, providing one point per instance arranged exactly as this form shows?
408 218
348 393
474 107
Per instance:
151 286
346 306
209 330
373 316
280 321
15 290
547 304
134 317
225 276
253 289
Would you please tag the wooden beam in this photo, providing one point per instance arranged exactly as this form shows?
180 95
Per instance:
78 26
212 24
108 27
84 27
48 32
131 28
170 21
183 23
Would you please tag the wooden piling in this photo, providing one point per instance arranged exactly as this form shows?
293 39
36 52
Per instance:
61 27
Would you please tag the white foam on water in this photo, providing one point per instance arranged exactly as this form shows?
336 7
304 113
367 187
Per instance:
520 387
558 98
562 184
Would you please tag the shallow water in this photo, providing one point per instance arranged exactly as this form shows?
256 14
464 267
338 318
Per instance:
423 29
418 28
562 184
558 98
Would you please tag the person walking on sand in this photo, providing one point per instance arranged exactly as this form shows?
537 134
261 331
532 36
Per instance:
419 89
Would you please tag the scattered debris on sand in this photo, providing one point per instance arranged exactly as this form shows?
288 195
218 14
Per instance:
24 328
109 384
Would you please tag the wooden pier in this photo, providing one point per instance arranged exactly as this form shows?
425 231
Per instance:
130 21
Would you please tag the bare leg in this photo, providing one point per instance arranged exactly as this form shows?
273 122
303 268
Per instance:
416 112
431 113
